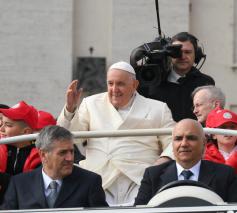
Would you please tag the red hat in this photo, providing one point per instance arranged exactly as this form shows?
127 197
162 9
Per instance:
22 112
218 117
45 119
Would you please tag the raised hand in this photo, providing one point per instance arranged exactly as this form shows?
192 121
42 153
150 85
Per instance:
73 95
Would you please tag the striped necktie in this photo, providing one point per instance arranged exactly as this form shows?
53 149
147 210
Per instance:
53 194
186 174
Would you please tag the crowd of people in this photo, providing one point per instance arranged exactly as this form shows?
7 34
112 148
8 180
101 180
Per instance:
121 171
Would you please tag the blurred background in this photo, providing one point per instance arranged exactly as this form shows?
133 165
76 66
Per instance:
44 44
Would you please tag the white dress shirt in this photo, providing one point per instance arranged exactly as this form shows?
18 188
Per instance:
195 170
173 77
47 180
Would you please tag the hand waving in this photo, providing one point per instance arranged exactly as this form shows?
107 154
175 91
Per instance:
73 96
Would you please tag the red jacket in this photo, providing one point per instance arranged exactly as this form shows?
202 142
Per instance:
32 161
212 153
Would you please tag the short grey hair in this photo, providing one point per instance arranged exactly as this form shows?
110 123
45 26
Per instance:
214 92
50 134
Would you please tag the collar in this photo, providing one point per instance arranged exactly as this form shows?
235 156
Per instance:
226 155
195 170
173 77
47 180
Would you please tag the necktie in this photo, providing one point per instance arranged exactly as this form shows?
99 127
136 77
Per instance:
186 174
53 194
181 80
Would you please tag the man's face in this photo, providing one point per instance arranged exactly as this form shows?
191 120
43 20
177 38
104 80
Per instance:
202 104
184 64
58 162
121 86
11 128
188 143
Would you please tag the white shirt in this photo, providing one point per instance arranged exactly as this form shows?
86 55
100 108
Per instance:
47 180
195 170
173 77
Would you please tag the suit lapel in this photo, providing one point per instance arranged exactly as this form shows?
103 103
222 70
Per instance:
69 185
170 174
38 193
206 172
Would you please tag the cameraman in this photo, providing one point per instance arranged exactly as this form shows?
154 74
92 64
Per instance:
183 78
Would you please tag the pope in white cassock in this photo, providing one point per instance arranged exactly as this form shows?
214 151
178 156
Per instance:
120 161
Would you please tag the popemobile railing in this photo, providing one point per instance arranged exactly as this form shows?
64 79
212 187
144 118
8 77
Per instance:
228 208
117 133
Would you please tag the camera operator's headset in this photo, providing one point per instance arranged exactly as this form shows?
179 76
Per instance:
199 54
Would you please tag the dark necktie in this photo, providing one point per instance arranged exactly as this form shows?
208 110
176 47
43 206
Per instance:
53 194
186 174
181 80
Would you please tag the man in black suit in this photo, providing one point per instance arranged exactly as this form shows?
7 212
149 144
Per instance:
188 146
57 184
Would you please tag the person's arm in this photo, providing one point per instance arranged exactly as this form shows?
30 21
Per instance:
162 159
97 194
232 187
73 98
10 199
166 140
4 180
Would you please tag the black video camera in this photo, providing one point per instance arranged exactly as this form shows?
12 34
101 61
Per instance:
151 61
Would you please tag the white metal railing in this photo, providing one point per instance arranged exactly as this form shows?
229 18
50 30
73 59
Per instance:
217 208
117 133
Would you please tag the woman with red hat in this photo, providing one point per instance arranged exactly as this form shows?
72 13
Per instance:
222 148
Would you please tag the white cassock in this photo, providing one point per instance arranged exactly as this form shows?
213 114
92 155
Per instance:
120 157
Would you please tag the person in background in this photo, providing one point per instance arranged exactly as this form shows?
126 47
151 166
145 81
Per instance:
188 145
205 99
22 156
46 119
222 148
183 78
2 106
4 177
58 183
120 161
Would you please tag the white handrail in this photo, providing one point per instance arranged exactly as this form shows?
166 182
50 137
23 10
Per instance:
117 133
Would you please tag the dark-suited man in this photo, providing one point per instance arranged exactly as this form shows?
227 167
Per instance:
188 146
58 184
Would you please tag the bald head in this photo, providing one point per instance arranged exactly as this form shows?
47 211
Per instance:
188 142
187 124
